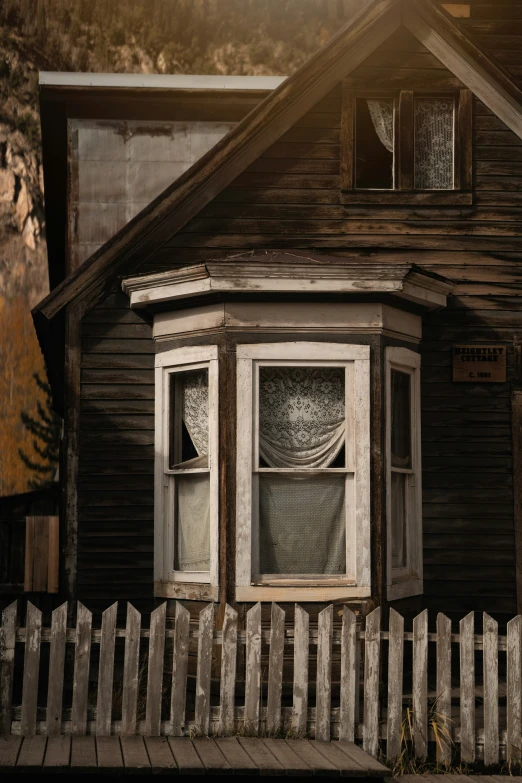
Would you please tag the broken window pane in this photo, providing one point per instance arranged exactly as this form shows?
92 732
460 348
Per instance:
374 143
189 419
434 143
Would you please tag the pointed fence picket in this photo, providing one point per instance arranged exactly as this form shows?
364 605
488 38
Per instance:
469 709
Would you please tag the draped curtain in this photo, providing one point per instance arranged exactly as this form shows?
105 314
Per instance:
301 425
193 490
381 112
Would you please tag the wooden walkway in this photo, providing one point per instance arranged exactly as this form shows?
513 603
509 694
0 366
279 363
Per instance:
180 755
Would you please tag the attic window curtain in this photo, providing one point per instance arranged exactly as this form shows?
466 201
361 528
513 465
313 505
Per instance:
381 112
301 425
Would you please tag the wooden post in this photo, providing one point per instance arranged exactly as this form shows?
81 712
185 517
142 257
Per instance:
395 679
155 671
324 674
131 664
372 659
228 671
349 676
514 690
53 562
33 635
253 668
420 685
467 689
179 670
491 736
7 651
204 669
275 669
56 671
443 704
106 671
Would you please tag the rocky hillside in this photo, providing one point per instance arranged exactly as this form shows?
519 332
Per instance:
140 36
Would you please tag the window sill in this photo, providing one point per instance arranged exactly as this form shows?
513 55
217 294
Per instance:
405 588
189 591
397 197
318 593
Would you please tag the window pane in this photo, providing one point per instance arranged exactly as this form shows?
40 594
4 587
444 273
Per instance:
398 519
192 522
374 143
301 416
434 143
189 419
400 419
302 524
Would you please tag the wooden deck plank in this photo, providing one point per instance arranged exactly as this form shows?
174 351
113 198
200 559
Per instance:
186 757
346 766
135 757
238 759
213 760
32 753
9 750
288 758
162 761
371 765
108 750
83 754
58 753
265 761
315 760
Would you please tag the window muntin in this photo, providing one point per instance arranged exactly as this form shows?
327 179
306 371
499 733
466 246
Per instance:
434 142
326 467
375 143
186 508
404 478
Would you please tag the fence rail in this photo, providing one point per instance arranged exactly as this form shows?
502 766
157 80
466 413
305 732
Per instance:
384 687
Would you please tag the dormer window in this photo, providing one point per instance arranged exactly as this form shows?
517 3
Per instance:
406 147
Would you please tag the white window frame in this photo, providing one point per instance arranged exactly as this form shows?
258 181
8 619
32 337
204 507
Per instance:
407 581
356 361
169 582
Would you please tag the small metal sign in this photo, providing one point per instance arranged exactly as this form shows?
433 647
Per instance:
479 363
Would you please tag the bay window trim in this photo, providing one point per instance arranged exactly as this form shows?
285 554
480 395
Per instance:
355 359
169 582
408 580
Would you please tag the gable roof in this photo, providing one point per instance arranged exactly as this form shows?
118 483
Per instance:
266 123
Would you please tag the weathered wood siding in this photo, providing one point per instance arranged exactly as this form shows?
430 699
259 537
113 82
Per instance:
290 199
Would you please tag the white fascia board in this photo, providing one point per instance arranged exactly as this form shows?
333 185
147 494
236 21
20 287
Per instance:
158 81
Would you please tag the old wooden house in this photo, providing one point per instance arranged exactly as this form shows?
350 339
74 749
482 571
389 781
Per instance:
284 328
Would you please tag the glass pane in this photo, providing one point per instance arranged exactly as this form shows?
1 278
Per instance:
301 416
398 519
192 522
374 143
400 419
189 419
434 143
302 524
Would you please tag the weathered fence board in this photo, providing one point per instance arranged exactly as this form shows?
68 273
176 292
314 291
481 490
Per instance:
443 716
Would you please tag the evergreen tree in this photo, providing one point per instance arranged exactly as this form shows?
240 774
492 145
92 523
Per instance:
46 442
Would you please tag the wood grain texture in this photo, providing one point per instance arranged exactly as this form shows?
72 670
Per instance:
82 655
131 664
275 669
372 660
349 696
228 671
7 653
490 667
443 673
204 669
179 670
420 685
53 718
395 679
514 689
467 689
106 672
324 674
301 660
253 668
31 670
155 670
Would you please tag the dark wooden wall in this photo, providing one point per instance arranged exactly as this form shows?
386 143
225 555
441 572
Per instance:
290 199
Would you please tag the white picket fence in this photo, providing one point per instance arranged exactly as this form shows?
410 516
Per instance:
480 719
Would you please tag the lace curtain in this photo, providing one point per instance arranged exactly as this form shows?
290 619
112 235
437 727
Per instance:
193 490
301 416
301 425
381 112
434 143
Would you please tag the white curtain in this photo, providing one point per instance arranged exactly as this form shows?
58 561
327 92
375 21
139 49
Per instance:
381 112
195 408
301 425
434 143
193 490
301 416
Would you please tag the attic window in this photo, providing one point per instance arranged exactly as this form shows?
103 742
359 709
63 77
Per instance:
406 148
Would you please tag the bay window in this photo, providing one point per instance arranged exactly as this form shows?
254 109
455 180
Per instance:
302 467
404 512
